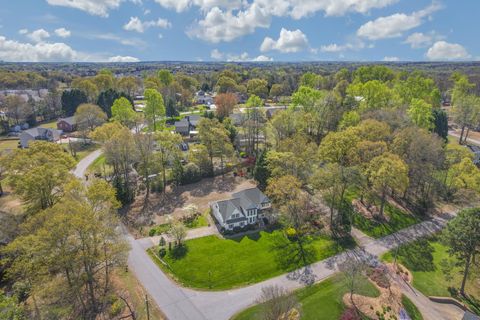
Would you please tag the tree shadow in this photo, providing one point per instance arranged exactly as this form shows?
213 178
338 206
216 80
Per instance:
417 256
291 255
179 252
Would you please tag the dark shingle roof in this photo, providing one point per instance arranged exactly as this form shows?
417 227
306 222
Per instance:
251 198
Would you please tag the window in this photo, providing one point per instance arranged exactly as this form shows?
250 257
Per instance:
230 226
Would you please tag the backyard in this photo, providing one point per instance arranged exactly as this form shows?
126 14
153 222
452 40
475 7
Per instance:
218 264
322 301
427 260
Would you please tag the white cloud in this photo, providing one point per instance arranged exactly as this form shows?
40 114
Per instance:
123 59
391 59
38 35
421 40
394 25
132 42
23 31
135 24
243 57
205 5
93 7
219 25
262 58
355 44
11 50
216 54
288 41
63 33
442 50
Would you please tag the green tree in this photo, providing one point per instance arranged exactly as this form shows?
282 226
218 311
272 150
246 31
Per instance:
215 138
261 173
462 236
128 85
440 123
466 113
387 172
38 174
258 87
71 99
198 154
154 107
107 98
88 87
373 95
312 80
10 308
122 111
421 113
165 77
167 150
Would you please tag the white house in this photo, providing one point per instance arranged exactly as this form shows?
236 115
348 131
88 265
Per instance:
38 133
245 208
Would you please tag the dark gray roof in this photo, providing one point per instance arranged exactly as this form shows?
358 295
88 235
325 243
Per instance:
194 119
227 207
470 316
182 124
70 120
40 132
251 198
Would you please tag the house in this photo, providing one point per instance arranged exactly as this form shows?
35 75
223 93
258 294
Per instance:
237 118
67 124
201 97
476 153
245 208
187 124
182 127
38 133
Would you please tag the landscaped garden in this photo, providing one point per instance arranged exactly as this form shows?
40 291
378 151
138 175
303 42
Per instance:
322 301
218 264
434 271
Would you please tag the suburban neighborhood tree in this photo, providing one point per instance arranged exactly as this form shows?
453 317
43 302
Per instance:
167 145
225 103
462 236
387 172
38 174
122 111
154 108
278 303
88 117
215 138
421 113
178 232
71 99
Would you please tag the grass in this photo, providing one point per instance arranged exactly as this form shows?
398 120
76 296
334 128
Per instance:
50 124
427 260
218 264
198 222
136 295
398 220
8 144
411 308
98 165
83 150
322 301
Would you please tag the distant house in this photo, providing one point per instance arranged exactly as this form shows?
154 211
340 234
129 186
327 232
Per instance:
237 118
67 124
201 97
245 208
38 133
187 124
476 153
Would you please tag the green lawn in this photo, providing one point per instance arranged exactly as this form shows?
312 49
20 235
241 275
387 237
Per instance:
426 260
198 222
411 308
218 264
397 220
52 124
83 150
98 165
322 301
8 144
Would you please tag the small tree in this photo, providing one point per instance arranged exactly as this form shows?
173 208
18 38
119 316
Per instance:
353 269
462 236
277 302
178 232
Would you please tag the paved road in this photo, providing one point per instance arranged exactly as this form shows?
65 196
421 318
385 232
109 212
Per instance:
456 135
83 164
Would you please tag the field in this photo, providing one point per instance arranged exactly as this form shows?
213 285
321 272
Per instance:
218 264
7 144
322 301
428 260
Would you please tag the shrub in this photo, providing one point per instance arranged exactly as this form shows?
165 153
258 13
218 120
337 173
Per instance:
162 242
156 185
116 308
378 276
152 232
291 233
162 252
191 173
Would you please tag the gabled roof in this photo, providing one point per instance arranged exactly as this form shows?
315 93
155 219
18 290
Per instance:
70 120
227 207
182 124
251 198
194 119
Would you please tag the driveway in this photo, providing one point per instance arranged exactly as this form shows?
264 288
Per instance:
83 164
183 303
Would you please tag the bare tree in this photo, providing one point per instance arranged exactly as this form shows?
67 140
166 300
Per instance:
277 302
353 269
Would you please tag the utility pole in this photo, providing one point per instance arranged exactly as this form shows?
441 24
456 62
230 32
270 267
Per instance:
148 310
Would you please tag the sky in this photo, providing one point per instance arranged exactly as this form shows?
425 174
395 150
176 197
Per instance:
238 30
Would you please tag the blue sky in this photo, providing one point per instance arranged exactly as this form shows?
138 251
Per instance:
239 30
